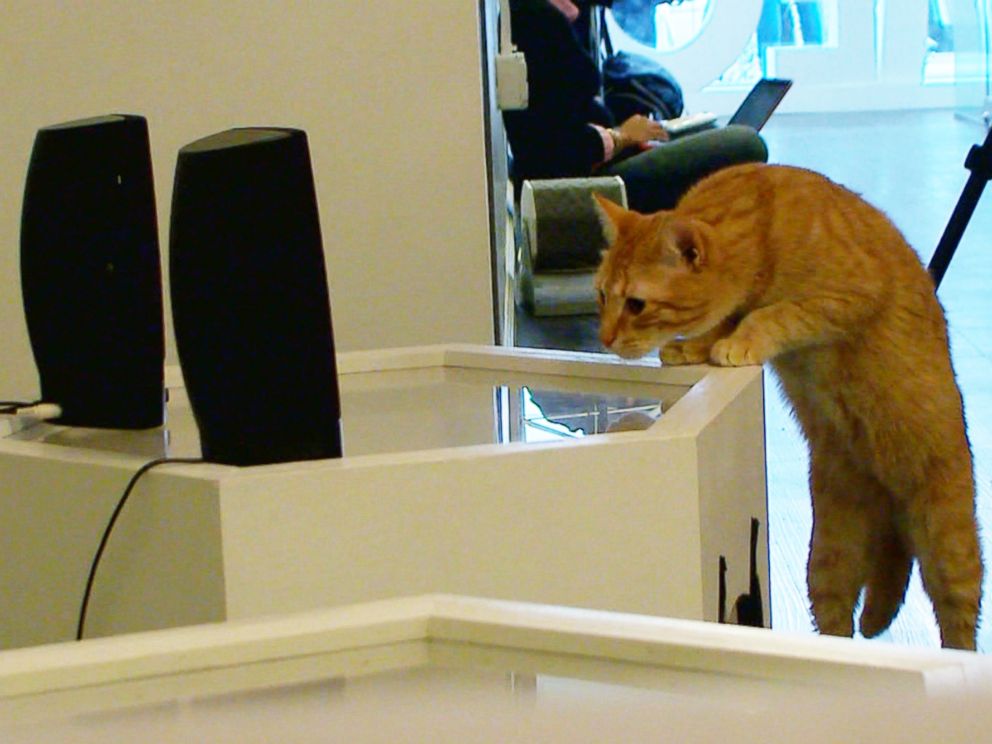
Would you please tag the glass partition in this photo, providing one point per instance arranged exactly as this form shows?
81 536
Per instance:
888 53
969 36
430 408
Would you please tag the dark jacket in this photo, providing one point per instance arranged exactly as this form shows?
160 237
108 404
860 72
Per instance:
552 137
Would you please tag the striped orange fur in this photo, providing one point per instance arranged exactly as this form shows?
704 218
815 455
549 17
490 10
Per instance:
765 263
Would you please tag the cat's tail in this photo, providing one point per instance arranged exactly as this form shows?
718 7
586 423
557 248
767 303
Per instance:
888 577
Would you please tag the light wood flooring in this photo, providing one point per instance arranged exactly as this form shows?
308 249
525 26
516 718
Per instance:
911 164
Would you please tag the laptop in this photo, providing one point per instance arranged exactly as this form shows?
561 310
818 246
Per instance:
754 111
760 103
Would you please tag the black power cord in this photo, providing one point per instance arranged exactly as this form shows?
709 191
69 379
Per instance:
110 526
748 607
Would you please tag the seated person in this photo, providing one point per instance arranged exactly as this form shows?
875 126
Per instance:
567 132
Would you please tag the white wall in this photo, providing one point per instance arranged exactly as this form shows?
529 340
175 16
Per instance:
390 96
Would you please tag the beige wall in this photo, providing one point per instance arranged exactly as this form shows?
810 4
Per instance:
389 94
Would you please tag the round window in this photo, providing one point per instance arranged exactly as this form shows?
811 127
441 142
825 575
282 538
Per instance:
667 25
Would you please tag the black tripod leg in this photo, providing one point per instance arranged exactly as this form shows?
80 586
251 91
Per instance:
979 162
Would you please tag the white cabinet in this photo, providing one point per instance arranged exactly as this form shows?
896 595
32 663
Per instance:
445 668
467 469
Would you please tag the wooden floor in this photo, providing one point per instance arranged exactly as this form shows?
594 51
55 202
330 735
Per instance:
911 164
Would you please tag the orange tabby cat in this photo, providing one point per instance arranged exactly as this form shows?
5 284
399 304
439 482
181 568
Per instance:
764 263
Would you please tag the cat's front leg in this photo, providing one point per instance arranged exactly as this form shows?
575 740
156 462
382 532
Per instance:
687 351
749 344
784 326
741 350
695 350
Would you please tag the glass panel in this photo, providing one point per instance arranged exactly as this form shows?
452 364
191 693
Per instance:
783 23
409 410
593 701
948 27
793 23
550 415
968 33
427 409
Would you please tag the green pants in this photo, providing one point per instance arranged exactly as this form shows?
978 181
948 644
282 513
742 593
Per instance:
656 178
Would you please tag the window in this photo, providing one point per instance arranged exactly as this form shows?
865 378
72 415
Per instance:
827 43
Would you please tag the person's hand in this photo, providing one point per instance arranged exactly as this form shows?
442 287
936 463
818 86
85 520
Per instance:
639 130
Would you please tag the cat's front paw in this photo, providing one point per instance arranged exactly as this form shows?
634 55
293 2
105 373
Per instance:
683 352
737 351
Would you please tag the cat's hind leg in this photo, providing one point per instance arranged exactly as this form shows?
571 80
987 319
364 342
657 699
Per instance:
890 563
945 536
838 566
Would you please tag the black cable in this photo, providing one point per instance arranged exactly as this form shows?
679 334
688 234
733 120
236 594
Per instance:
110 526
721 616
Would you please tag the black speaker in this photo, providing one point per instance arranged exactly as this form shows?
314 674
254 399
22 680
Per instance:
90 272
250 301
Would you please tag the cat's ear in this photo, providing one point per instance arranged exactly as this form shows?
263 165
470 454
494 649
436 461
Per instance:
684 243
611 216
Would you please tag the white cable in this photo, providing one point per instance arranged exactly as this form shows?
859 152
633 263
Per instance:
39 411
505 40
511 67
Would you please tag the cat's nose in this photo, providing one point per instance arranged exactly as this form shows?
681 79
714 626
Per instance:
607 336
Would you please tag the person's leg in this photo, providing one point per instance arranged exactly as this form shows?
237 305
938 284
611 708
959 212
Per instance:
657 178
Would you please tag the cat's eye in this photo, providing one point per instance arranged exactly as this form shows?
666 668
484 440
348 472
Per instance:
602 297
634 306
